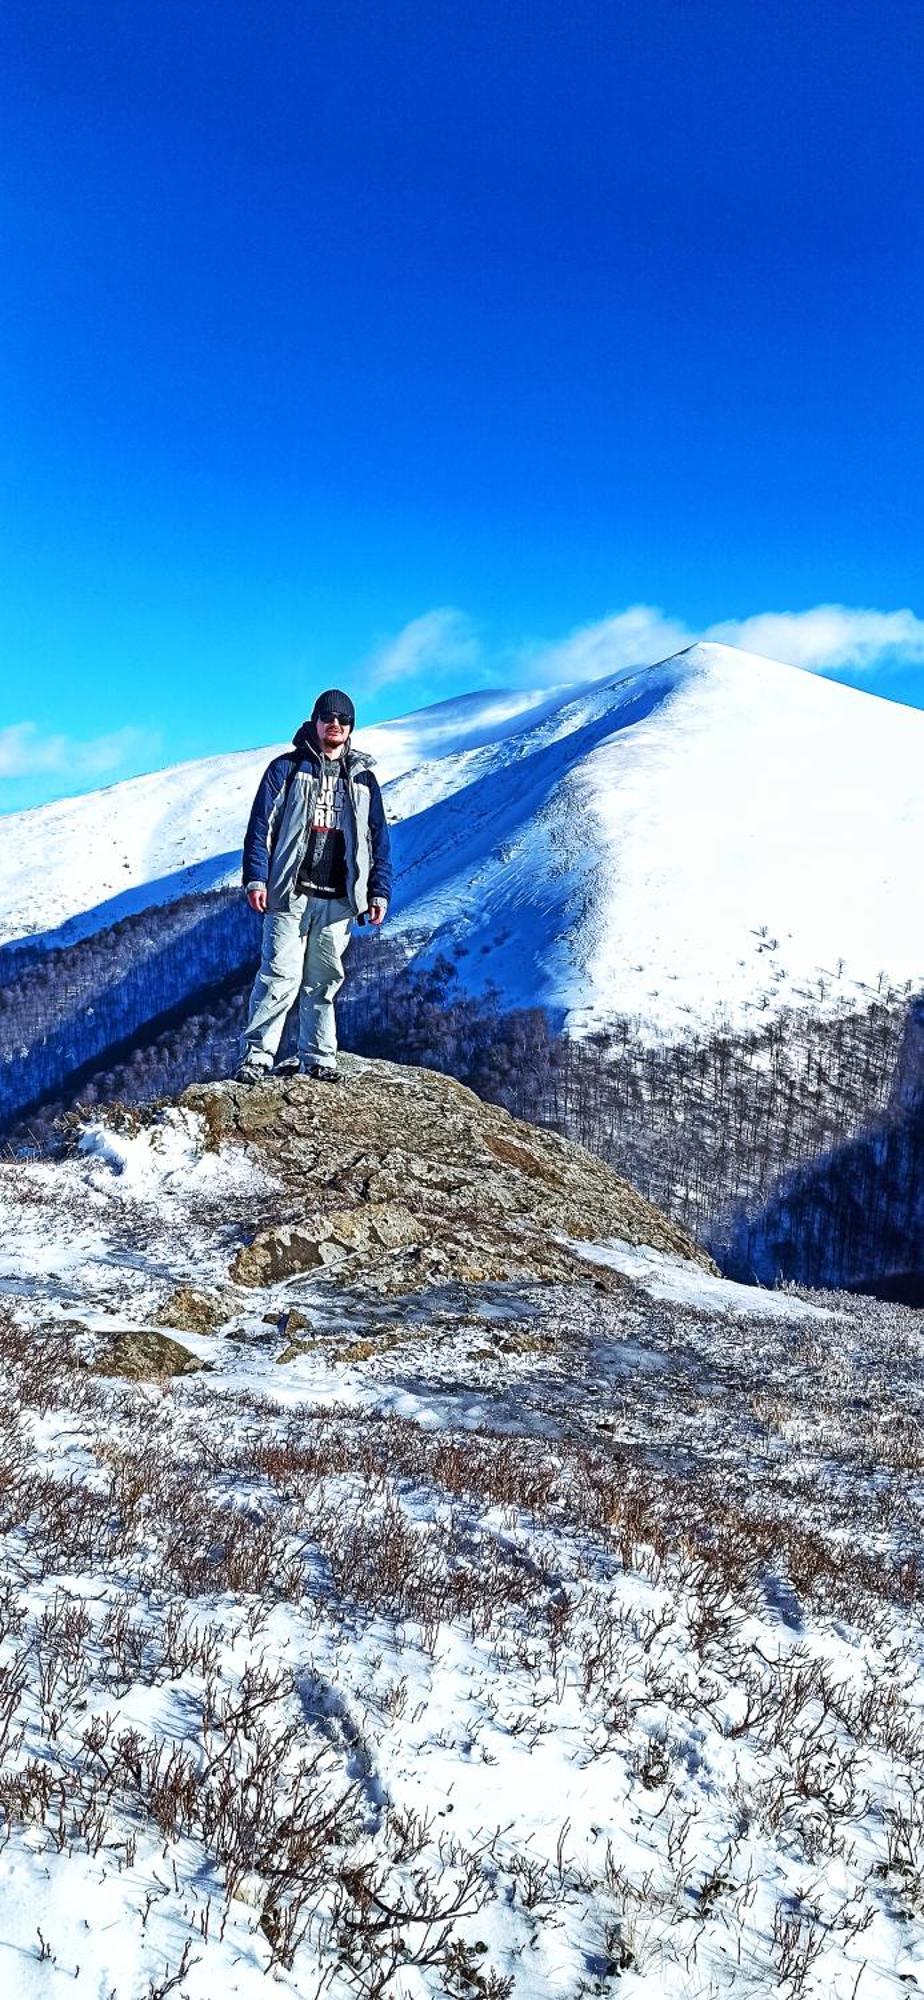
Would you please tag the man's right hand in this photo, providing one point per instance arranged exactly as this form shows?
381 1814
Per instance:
257 899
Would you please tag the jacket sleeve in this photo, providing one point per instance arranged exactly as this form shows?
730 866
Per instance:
264 817
380 869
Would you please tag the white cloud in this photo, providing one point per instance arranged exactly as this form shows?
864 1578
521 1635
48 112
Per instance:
24 752
829 637
632 638
440 642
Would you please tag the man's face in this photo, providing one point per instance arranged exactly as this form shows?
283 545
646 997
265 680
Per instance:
332 736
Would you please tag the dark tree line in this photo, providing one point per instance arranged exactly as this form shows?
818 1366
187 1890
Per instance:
70 1007
854 1219
854 1216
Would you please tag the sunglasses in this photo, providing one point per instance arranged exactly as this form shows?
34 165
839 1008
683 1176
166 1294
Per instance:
345 721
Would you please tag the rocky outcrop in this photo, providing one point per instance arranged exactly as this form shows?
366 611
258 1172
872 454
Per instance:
142 1356
399 1178
193 1311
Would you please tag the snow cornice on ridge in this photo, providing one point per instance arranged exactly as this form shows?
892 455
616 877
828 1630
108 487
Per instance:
706 653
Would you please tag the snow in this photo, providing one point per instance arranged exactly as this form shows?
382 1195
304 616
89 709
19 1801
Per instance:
676 1279
71 1232
168 1158
709 840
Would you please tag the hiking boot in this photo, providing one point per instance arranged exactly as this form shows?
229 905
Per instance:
320 1073
289 1066
251 1072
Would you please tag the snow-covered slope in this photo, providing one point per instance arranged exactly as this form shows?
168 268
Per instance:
82 863
715 833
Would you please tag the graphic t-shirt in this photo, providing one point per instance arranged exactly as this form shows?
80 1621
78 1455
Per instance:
323 866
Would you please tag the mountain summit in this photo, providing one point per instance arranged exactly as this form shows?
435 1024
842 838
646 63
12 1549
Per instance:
718 832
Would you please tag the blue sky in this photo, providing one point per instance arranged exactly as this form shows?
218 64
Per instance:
402 346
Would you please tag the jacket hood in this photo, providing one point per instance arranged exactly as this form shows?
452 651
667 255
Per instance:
306 738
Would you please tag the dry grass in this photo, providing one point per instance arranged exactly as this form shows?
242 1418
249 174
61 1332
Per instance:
737 1507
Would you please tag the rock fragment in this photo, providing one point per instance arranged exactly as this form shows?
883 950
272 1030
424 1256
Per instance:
145 1356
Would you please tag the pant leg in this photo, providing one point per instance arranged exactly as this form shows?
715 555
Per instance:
329 927
278 981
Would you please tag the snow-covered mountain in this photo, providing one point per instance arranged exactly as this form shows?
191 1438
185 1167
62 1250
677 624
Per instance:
75 866
714 833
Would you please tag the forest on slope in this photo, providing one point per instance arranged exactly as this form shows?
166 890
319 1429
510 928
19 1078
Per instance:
64 1010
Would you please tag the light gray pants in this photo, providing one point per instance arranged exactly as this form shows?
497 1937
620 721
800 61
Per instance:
302 960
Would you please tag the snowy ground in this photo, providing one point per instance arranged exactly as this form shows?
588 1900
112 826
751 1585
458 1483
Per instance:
530 1641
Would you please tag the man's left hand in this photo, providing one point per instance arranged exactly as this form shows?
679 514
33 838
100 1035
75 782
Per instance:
377 911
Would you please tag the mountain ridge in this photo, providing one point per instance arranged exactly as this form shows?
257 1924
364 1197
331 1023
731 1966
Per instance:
705 838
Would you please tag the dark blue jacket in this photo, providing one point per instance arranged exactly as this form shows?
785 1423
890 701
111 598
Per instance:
283 814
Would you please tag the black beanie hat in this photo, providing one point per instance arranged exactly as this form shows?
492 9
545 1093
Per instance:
333 702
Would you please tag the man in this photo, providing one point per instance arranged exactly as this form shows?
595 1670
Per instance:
316 855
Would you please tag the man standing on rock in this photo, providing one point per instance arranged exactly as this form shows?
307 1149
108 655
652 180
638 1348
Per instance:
317 855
